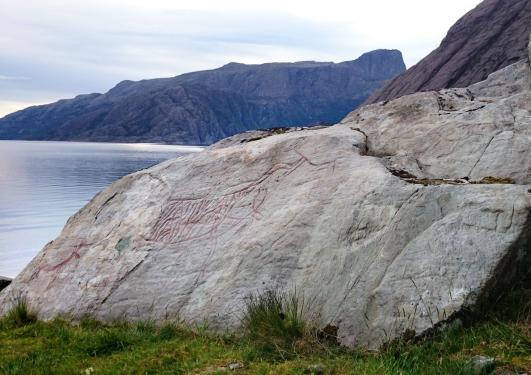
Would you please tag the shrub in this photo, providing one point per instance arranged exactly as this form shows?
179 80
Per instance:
276 322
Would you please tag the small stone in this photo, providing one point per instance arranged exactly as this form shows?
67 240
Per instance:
235 366
316 369
480 365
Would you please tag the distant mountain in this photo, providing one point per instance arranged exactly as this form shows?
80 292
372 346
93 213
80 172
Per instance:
486 39
203 107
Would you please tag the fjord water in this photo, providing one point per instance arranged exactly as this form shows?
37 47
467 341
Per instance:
43 183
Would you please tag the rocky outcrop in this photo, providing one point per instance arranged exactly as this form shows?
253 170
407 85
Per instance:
334 212
486 39
203 107
483 130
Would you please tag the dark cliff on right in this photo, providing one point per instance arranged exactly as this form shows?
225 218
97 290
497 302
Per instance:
490 37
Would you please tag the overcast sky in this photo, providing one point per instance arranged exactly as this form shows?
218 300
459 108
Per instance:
59 48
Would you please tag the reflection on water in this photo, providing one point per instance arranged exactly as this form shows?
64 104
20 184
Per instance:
43 183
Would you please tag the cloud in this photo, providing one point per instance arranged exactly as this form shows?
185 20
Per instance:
7 106
11 78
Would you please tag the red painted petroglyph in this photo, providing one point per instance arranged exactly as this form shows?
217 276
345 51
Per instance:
192 219
73 255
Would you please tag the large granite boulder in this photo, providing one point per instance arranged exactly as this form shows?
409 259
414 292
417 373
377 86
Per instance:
325 210
490 37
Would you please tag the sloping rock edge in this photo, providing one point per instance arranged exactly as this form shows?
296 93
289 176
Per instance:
512 275
513 271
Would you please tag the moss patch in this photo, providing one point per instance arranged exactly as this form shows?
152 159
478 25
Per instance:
496 180
412 179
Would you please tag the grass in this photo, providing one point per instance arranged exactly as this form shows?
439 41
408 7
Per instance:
20 314
274 324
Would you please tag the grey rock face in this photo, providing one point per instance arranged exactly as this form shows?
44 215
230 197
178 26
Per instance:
483 130
203 107
486 39
316 209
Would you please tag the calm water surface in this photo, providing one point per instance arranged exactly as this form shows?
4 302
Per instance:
43 183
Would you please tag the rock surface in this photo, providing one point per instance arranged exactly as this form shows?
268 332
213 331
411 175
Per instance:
483 130
202 107
316 209
488 38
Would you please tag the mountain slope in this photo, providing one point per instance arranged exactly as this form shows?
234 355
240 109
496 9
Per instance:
203 107
486 39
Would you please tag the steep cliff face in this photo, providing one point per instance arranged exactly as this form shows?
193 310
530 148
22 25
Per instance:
333 211
203 107
488 38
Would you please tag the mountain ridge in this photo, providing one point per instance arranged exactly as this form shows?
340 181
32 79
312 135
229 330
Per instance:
490 37
205 106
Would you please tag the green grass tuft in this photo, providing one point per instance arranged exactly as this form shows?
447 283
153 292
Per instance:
20 314
278 323
168 331
145 326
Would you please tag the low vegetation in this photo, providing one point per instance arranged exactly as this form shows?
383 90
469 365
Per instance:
278 324
20 314
278 339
